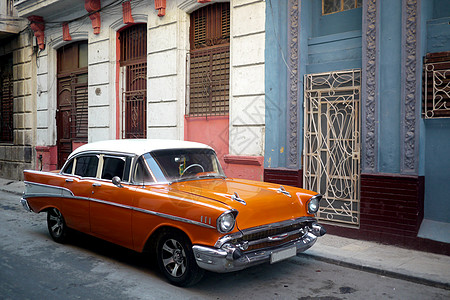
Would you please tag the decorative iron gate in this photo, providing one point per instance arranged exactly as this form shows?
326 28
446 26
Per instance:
332 143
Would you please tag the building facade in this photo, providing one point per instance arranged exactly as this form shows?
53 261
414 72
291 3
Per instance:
176 69
17 101
360 113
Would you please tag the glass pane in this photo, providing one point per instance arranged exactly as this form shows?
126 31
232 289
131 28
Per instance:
331 6
82 55
142 172
68 168
186 164
349 4
82 78
113 166
86 166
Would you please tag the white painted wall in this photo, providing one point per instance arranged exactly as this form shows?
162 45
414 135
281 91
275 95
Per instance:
247 90
167 48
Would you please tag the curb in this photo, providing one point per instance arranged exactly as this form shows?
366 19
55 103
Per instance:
11 192
379 271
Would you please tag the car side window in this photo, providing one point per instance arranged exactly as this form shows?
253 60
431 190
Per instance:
86 166
68 168
142 174
113 166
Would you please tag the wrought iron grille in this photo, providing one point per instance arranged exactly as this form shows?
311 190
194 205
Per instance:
133 62
437 85
6 107
334 6
332 143
135 101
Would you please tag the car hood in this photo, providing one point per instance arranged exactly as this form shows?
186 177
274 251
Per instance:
264 202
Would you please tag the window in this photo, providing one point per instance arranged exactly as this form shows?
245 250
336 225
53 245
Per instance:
10 8
116 166
209 61
436 85
86 166
133 63
6 99
69 168
334 6
142 173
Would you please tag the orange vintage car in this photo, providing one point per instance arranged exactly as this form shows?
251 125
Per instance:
172 197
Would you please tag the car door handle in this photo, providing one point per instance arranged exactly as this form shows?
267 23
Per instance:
96 184
69 180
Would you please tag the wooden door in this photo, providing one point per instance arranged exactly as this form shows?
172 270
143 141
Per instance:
72 102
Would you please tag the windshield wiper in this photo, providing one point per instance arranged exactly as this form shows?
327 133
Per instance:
212 176
206 176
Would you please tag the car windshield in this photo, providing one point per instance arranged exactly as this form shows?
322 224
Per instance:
181 164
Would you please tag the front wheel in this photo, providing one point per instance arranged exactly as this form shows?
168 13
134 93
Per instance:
56 225
176 259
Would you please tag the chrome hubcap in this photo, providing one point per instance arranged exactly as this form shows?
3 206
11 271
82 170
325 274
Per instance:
56 224
174 258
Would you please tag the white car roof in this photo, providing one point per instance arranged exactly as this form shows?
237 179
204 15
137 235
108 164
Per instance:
137 146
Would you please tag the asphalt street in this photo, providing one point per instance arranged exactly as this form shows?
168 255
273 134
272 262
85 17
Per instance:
32 266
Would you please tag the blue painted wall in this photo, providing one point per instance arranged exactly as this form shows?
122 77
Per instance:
437 170
327 43
276 83
334 40
389 86
437 132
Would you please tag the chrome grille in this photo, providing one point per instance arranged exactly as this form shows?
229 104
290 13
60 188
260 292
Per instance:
270 235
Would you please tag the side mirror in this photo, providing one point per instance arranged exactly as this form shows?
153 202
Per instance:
116 181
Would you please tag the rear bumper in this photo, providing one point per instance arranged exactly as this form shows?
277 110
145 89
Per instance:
25 205
229 258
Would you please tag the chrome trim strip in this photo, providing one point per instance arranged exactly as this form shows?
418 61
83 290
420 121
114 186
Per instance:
175 218
66 193
34 189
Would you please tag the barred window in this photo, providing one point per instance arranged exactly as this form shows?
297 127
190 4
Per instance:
209 61
334 6
436 85
133 63
6 99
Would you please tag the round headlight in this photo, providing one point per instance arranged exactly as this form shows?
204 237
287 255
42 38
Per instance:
313 204
225 223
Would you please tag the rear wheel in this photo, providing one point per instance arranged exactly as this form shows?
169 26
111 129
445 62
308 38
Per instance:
176 259
56 225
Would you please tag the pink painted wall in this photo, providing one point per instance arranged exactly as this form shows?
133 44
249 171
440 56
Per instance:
46 158
214 131
246 167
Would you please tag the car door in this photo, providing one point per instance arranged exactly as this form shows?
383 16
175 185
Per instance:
79 175
111 205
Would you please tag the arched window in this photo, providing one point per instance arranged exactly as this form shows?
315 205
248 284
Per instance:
133 63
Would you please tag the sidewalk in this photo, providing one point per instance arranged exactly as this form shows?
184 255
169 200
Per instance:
420 267
412 265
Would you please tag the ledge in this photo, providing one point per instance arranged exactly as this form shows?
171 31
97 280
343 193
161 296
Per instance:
244 160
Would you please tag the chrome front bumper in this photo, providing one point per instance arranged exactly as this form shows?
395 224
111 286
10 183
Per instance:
229 259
